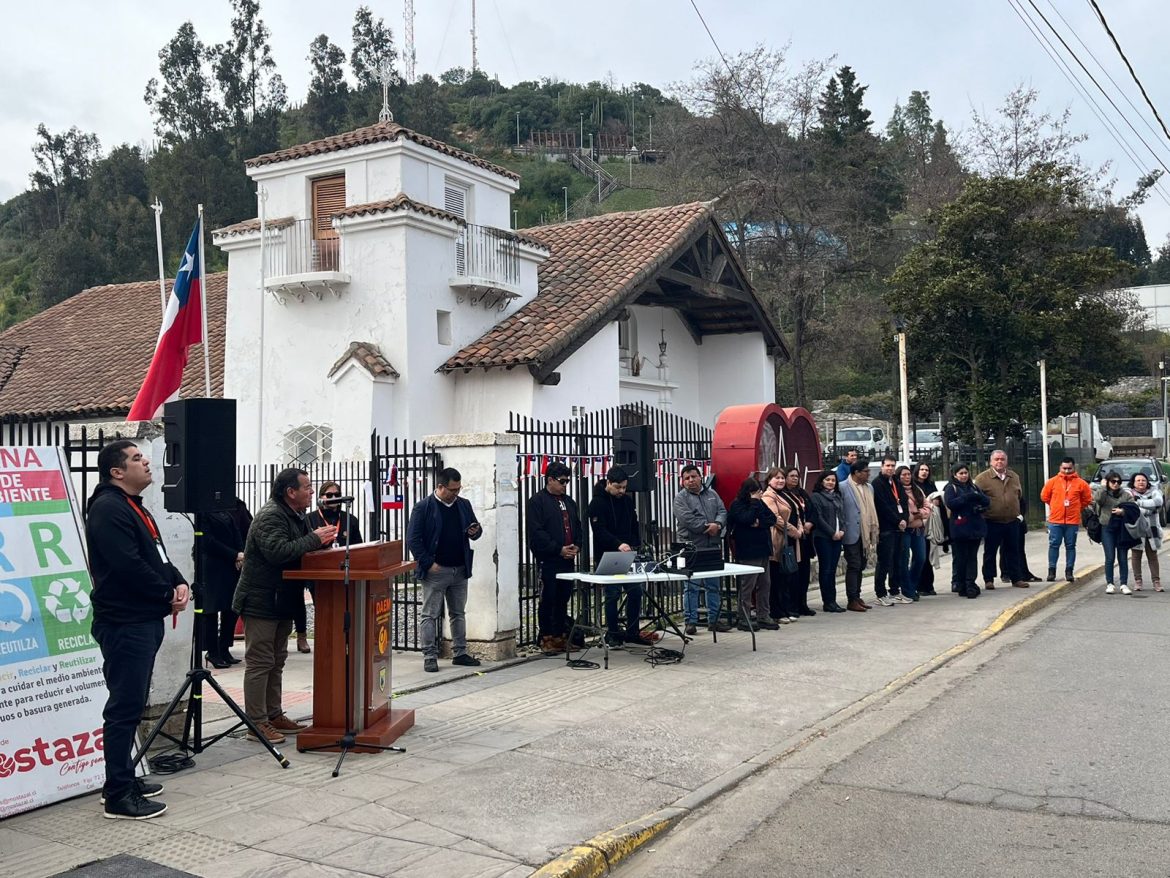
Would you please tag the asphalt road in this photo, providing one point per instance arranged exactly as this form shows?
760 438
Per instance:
1042 752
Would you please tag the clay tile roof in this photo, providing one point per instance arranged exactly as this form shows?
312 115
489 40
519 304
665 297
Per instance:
594 266
399 202
382 132
86 357
251 225
367 355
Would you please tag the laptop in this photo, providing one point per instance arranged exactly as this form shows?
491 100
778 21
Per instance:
615 563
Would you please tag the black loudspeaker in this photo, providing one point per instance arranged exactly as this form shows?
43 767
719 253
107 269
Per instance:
633 451
199 468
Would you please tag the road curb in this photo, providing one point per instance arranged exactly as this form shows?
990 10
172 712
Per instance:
597 856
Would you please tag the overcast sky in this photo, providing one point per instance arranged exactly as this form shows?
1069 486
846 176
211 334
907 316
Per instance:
69 62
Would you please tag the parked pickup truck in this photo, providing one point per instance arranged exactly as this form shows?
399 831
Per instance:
869 442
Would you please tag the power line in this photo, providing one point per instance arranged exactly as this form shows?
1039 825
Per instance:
1117 45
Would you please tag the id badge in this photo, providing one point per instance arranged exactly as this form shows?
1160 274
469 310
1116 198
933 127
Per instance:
1067 503
162 553
899 508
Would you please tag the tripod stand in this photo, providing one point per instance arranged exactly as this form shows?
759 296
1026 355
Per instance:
348 740
192 740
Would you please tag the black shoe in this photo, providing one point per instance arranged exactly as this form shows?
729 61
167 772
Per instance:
719 627
147 789
612 641
746 626
690 629
133 806
217 661
1052 574
927 591
231 658
914 598
466 661
833 608
1029 576
1068 575
769 625
431 665
806 611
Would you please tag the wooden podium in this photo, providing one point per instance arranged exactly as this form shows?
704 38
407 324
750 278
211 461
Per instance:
372 567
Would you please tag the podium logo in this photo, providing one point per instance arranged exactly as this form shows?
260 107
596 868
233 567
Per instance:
47 753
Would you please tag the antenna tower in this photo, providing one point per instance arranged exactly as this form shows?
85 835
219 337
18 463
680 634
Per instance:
474 51
408 59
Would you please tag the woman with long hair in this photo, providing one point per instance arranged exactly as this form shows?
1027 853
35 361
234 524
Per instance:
798 500
827 511
913 556
923 480
1149 500
784 532
1107 498
751 524
966 503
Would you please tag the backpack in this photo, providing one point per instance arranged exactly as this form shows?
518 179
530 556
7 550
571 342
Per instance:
1091 522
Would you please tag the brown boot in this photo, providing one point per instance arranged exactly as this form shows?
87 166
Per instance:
1019 583
856 606
282 723
303 643
271 734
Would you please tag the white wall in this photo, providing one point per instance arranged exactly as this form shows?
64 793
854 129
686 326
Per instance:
483 399
733 370
589 378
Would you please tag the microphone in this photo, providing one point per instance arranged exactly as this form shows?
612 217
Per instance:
335 501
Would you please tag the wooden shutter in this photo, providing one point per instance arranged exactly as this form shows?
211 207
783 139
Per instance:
328 199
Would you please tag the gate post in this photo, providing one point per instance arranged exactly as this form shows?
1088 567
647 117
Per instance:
487 465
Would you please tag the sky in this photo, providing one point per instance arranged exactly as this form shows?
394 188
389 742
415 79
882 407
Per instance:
73 63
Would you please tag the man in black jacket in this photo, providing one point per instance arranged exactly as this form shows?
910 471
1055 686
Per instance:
613 518
554 538
135 586
893 516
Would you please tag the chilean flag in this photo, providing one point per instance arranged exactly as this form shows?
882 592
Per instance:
182 326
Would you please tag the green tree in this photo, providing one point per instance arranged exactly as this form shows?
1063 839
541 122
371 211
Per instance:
246 72
328 91
181 97
1004 282
426 110
373 44
64 163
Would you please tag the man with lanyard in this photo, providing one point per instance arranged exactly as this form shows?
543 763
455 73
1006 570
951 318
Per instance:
893 516
135 586
554 538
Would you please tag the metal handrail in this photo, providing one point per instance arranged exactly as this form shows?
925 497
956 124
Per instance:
295 249
487 253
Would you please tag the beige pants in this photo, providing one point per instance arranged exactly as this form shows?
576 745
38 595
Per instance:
265 652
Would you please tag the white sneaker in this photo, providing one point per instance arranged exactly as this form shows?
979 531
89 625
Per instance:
1109 588
885 601
794 618
1125 589
902 599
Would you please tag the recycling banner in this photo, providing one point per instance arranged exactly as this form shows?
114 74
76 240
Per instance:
51 686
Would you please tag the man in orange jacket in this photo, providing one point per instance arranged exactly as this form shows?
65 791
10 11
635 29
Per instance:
1066 494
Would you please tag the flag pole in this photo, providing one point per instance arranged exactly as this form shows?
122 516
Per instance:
203 311
261 198
162 275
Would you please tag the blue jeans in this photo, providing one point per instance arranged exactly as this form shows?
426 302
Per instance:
128 650
1109 537
633 609
691 600
1062 533
913 557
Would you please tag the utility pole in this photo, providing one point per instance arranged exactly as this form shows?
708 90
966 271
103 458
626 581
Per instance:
517 129
565 189
408 56
474 50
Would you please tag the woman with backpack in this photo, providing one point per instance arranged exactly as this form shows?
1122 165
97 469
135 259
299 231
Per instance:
1107 500
966 504
1149 500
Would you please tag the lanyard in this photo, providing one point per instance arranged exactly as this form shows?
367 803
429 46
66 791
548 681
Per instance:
146 519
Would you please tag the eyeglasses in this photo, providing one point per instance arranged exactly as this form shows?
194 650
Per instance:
331 494
1115 481
561 481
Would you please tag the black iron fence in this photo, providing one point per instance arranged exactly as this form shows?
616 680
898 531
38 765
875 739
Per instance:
585 444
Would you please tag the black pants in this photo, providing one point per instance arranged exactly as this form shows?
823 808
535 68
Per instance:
128 651
219 631
613 594
926 576
553 607
300 617
854 564
798 590
888 552
781 603
964 566
1001 537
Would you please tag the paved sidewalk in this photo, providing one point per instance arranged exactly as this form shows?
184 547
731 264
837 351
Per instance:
508 768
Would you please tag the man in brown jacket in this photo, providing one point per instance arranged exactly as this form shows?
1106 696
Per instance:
1002 485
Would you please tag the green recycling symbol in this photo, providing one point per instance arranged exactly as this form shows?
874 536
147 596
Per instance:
66 600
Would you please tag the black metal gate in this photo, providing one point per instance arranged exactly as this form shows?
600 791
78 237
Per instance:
585 444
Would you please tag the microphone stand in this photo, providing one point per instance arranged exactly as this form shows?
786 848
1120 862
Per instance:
348 741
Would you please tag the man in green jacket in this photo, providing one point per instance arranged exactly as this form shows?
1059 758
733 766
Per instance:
279 536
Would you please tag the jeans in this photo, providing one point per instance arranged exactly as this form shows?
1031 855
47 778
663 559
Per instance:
552 610
128 651
265 652
913 556
444 585
854 564
1001 537
1109 537
691 600
964 566
828 556
889 544
633 609
1062 533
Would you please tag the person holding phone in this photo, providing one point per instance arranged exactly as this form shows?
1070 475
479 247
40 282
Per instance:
554 538
439 535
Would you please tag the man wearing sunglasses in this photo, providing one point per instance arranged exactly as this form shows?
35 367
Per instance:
554 538
439 535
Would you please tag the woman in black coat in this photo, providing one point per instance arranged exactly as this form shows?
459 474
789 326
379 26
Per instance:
222 548
751 522
827 511
966 504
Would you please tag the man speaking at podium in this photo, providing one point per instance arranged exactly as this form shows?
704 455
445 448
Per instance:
279 536
439 535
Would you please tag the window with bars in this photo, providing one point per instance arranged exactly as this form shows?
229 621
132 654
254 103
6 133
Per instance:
307 445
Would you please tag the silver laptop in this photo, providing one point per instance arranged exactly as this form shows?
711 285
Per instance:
615 563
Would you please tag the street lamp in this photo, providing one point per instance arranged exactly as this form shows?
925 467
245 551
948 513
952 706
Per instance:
652 131
1165 420
903 384
1043 364
517 129
633 155
565 189
581 139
